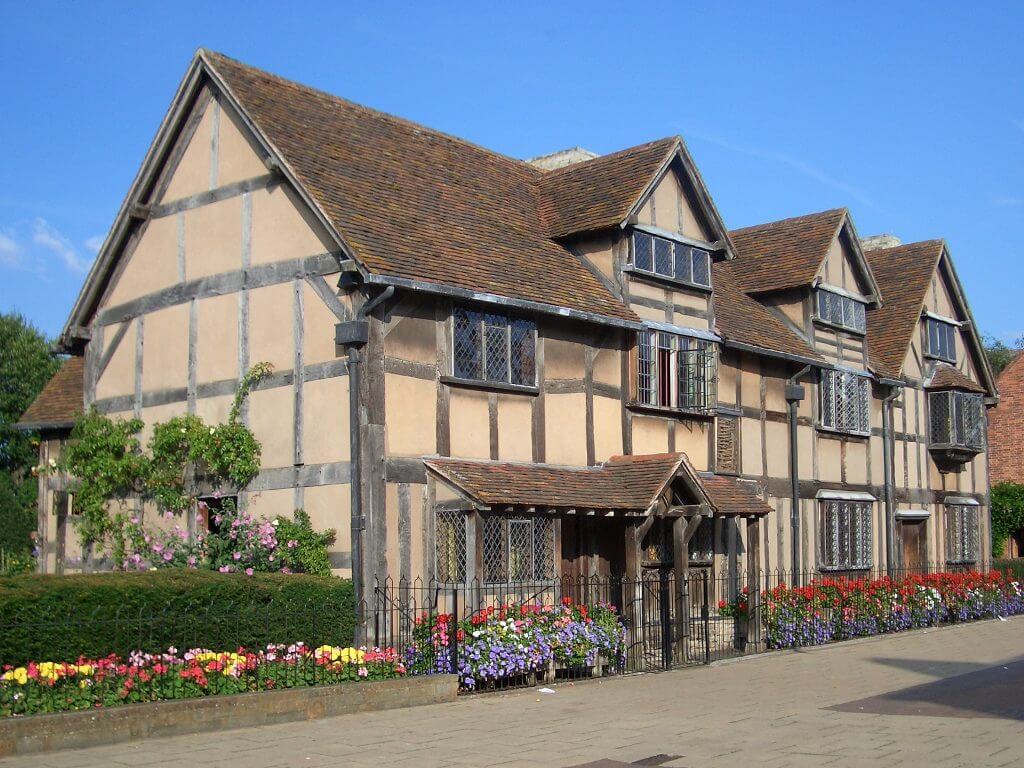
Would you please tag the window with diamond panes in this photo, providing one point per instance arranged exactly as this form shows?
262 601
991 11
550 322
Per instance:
841 311
941 339
669 258
450 545
961 533
845 402
487 346
845 535
518 548
676 371
957 419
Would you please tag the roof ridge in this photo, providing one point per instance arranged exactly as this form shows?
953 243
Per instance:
791 219
405 122
583 164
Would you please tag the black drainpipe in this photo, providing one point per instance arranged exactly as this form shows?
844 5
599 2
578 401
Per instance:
887 460
794 394
353 334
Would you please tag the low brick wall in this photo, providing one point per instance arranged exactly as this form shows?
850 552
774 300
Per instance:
69 730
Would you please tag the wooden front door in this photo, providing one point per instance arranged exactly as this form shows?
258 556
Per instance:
914 546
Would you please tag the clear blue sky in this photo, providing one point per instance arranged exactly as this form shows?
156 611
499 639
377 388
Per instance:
911 114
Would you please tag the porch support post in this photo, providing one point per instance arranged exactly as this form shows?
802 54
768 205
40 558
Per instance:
754 579
683 529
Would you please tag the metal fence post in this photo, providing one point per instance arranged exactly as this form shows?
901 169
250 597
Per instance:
453 633
705 614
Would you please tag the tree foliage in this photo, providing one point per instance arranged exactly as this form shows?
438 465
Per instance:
26 364
107 460
1000 354
1007 514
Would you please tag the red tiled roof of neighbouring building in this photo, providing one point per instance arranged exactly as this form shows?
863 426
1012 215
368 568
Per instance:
1006 425
60 402
903 275
732 497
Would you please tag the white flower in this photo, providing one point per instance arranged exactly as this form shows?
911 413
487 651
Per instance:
274 523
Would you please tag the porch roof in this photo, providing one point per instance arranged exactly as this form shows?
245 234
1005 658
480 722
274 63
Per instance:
946 376
631 484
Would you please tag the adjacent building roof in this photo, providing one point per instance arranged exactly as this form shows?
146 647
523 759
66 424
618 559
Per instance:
743 319
601 192
787 253
61 400
946 376
623 483
903 274
415 203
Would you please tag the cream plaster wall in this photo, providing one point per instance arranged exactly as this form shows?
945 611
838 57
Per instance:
216 338
192 174
213 238
153 265
236 155
328 506
565 420
410 426
607 428
515 424
325 417
165 349
271 320
469 423
280 228
271 418
118 377
650 435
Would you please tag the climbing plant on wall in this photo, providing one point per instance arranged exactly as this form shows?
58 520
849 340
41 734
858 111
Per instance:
1007 514
107 460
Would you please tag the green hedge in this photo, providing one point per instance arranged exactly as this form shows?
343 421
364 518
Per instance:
57 618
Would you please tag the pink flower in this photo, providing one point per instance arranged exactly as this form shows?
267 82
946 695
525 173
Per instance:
363 672
168 555
292 544
237 555
248 571
225 569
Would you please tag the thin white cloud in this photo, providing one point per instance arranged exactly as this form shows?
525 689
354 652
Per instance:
1010 201
94 243
10 251
46 236
795 163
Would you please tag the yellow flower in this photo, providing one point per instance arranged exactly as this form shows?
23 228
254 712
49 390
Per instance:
84 669
19 675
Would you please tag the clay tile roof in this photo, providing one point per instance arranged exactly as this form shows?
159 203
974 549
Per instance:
732 497
623 482
414 203
787 253
599 193
947 376
903 275
60 401
744 319
630 483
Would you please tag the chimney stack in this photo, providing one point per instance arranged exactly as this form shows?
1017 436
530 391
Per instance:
878 242
561 159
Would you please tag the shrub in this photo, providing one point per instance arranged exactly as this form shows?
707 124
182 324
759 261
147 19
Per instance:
1012 567
63 617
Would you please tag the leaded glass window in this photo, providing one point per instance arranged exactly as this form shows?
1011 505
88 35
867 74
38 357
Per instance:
845 534
676 371
702 543
518 548
941 339
842 311
493 347
450 545
961 533
845 399
957 419
669 258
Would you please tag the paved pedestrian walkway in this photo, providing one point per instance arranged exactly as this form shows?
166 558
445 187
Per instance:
930 698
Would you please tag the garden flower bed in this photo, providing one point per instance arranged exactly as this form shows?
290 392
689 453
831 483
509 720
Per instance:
524 642
839 609
49 686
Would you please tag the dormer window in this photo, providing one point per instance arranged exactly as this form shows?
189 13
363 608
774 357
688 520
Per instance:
940 339
841 311
674 260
